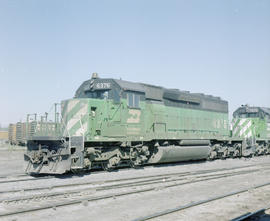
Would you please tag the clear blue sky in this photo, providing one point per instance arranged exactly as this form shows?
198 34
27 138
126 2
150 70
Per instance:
48 48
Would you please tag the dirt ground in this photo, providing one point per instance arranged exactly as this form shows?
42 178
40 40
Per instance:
11 160
132 207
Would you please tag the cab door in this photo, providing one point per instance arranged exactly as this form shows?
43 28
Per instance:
134 117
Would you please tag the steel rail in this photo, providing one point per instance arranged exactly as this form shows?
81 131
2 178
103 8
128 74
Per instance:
132 178
91 182
70 202
179 208
25 179
12 175
40 176
115 186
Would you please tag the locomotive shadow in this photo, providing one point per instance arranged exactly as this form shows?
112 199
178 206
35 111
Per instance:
193 162
115 170
70 174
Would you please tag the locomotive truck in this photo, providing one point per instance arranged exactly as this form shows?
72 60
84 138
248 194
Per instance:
111 123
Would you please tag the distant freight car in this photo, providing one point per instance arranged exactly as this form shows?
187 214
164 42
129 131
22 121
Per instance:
12 134
3 135
19 133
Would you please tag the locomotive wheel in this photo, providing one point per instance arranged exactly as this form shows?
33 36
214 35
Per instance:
106 167
132 164
212 155
77 171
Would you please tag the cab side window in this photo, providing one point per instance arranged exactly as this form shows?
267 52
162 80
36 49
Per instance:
133 100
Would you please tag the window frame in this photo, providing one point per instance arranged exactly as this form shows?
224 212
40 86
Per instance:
133 100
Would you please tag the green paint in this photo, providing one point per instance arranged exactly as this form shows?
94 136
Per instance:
107 121
252 127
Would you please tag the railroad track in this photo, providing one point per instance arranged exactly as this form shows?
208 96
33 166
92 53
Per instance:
123 179
198 203
28 178
166 183
12 175
152 181
12 178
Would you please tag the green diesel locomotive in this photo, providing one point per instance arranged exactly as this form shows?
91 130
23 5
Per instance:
252 124
111 123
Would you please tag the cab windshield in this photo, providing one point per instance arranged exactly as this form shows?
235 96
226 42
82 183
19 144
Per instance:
97 94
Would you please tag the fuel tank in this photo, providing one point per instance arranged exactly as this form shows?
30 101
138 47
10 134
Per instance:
166 154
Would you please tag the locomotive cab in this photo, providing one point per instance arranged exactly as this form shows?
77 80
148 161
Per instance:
252 124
